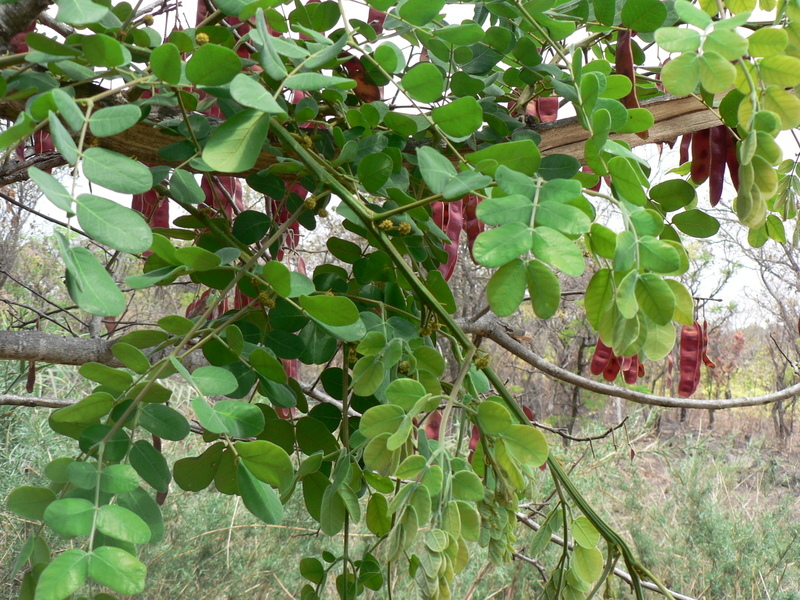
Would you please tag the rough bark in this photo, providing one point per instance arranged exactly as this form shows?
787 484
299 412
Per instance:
673 117
16 17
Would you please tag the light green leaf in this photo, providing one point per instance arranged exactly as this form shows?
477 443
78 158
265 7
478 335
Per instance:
423 82
717 74
558 251
118 570
236 144
268 462
122 524
506 288
544 289
316 81
63 576
674 39
459 119
655 298
90 285
493 418
248 92
116 172
681 74
526 445
113 224
52 189
496 247
212 64
420 12
114 119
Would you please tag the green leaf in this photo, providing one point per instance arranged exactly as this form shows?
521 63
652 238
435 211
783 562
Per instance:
599 296
61 138
267 462
404 392
674 39
381 419
768 42
673 194
214 381
496 247
114 119
70 517
90 285
526 445
213 65
660 338
113 224
164 421
336 311
783 103
184 188
655 298
464 183
658 256
118 570
379 521
423 82
64 575
88 410
116 379
52 189
522 156
118 479
116 172
729 44
131 357
502 210
625 181
466 485
544 289
374 171
122 524
151 466
237 419
584 533
696 223
420 12
644 15
689 13
681 74
236 144
587 563
80 12
165 62
248 92
104 51
565 218
717 74
493 418
506 288
30 502
312 82
558 251
781 70
459 119
436 169
259 498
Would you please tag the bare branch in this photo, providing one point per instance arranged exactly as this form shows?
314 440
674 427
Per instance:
34 401
491 328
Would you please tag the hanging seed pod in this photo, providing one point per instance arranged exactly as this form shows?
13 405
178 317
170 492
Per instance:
602 357
691 352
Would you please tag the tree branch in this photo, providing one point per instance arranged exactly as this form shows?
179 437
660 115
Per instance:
491 328
15 18
617 571
34 401
673 117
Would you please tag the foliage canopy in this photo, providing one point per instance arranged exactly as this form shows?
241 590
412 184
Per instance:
414 121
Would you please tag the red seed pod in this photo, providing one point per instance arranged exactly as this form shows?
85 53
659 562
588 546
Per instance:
686 142
31 382
161 497
376 18
706 360
612 369
719 152
640 370
365 89
529 413
153 208
473 226
624 66
631 372
691 350
732 158
546 108
701 155
602 357
433 425
448 217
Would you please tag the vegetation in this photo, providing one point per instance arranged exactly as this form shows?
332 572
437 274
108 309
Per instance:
360 398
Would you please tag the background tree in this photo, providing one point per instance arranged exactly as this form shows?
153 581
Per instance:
289 99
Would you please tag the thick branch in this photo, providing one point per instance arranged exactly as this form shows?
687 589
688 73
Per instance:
490 328
673 117
15 18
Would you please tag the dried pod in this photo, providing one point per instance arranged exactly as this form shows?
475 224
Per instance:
602 357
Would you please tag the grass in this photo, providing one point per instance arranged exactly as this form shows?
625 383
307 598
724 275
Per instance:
715 514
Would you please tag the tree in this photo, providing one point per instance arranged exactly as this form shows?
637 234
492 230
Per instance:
289 99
